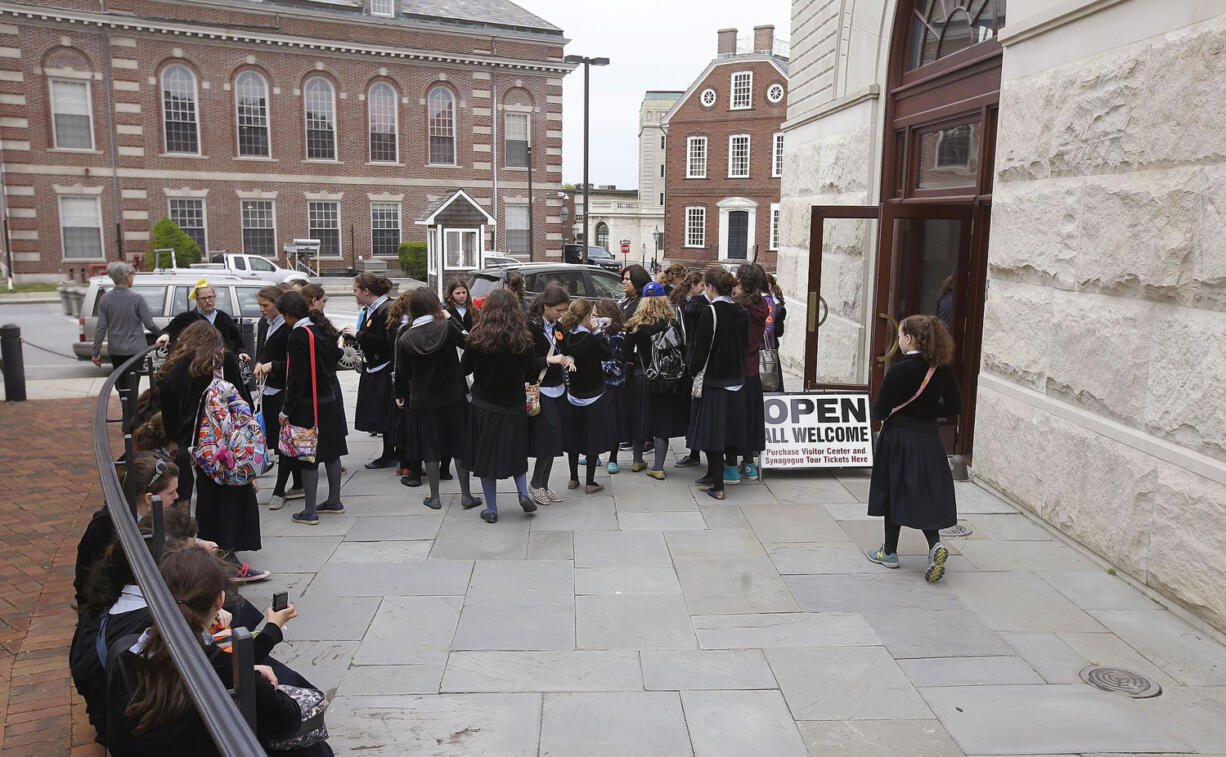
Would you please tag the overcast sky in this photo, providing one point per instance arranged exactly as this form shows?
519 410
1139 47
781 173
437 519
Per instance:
651 44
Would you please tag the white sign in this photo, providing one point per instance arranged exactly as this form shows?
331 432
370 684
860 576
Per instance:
817 431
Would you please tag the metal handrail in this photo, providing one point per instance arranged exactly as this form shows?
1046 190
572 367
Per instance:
217 709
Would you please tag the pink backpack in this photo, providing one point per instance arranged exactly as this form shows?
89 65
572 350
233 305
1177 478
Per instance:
230 447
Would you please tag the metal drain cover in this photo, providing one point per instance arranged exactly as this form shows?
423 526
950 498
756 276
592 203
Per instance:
1118 680
958 529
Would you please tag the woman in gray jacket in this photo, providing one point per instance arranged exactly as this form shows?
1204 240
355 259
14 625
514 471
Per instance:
123 315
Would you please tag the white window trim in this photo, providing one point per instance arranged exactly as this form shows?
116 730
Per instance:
276 253
686 241
340 237
748 155
389 13
395 123
776 156
782 89
267 117
60 220
773 230
732 91
706 157
444 231
204 218
89 109
195 100
399 224
336 137
455 117
508 111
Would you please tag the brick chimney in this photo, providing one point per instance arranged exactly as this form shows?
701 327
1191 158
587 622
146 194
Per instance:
764 39
727 42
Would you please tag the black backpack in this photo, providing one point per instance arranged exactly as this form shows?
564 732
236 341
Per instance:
667 367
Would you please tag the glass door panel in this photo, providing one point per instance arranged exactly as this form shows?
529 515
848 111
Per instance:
842 242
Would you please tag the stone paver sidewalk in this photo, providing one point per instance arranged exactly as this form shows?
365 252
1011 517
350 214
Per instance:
650 620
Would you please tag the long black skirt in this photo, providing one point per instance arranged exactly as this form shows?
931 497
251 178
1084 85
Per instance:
498 440
376 411
437 433
592 429
717 421
339 399
663 415
270 409
545 429
755 417
227 515
911 482
332 445
623 424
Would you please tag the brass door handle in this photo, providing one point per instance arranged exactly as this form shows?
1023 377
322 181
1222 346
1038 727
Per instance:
894 325
814 321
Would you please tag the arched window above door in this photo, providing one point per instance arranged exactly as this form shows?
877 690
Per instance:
602 235
940 28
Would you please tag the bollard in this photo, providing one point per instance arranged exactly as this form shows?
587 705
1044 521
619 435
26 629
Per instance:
14 365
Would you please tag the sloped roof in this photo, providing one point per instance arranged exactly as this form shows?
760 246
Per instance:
438 206
480 12
780 64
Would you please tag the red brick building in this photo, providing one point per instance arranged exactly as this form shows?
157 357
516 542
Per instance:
251 124
725 156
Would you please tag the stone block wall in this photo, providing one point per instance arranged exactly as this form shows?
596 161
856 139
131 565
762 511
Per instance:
1100 403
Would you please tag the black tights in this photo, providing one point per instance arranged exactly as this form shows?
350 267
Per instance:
285 470
892 531
573 459
715 468
540 472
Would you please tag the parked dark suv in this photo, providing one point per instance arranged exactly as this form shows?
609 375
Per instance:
587 281
596 255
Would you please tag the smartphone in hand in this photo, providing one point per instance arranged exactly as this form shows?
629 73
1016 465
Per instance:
280 601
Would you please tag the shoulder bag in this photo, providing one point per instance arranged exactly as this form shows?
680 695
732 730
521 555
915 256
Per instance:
312 703
700 377
300 442
923 385
768 359
532 392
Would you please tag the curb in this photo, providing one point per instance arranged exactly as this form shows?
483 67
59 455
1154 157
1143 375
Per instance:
26 298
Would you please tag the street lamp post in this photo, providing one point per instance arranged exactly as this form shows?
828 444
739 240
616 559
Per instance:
587 63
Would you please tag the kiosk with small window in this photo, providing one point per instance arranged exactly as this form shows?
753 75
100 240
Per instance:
455 237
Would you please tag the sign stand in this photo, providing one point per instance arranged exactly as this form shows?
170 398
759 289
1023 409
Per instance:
817 430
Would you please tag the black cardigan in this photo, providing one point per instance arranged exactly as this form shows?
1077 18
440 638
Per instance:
727 346
589 351
428 366
272 350
230 333
689 316
375 338
941 398
499 377
298 405
540 342
466 320
179 396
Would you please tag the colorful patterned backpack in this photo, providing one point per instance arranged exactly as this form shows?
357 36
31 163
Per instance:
230 447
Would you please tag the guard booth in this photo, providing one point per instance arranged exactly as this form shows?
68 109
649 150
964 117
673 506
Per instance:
455 237
301 254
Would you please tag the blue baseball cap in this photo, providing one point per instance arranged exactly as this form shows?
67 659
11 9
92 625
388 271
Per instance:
653 289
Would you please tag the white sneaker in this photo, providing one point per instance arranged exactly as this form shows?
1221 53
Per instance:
277 502
295 494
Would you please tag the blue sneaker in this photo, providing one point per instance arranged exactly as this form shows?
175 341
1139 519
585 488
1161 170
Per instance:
613 468
731 475
583 460
936 563
335 508
308 519
879 556
749 470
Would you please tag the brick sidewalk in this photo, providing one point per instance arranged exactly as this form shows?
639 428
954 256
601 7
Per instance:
50 488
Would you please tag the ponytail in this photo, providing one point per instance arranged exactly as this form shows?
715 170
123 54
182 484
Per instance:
931 337
576 314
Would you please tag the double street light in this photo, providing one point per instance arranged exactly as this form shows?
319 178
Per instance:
587 64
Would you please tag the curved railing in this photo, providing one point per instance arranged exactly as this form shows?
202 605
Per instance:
230 730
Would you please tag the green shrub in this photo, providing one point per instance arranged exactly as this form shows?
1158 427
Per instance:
167 235
413 259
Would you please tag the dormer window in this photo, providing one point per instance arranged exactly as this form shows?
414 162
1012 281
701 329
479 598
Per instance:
383 7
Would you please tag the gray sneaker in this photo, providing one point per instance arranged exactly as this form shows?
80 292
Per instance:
936 563
277 502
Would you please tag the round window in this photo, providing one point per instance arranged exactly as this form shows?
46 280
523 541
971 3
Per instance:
708 97
774 93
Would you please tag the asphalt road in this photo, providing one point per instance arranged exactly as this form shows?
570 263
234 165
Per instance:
45 325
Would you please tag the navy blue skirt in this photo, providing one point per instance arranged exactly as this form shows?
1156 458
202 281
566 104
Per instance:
376 411
545 429
755 417
622 422
717 421
227 515
437 433
497 440
660 415
592 429
911 482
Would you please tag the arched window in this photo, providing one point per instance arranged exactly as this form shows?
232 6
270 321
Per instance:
179 110
320 103
441 123
940 28
251 102
602 235
382 115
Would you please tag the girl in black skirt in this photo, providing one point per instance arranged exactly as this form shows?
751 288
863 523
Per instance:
690 298
430 387
912 485
227 515
376 410
271 337
501 358
545 430
456 300
309 402
750 283
660 415
615 378
317 299
717 418
591 420
398 319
